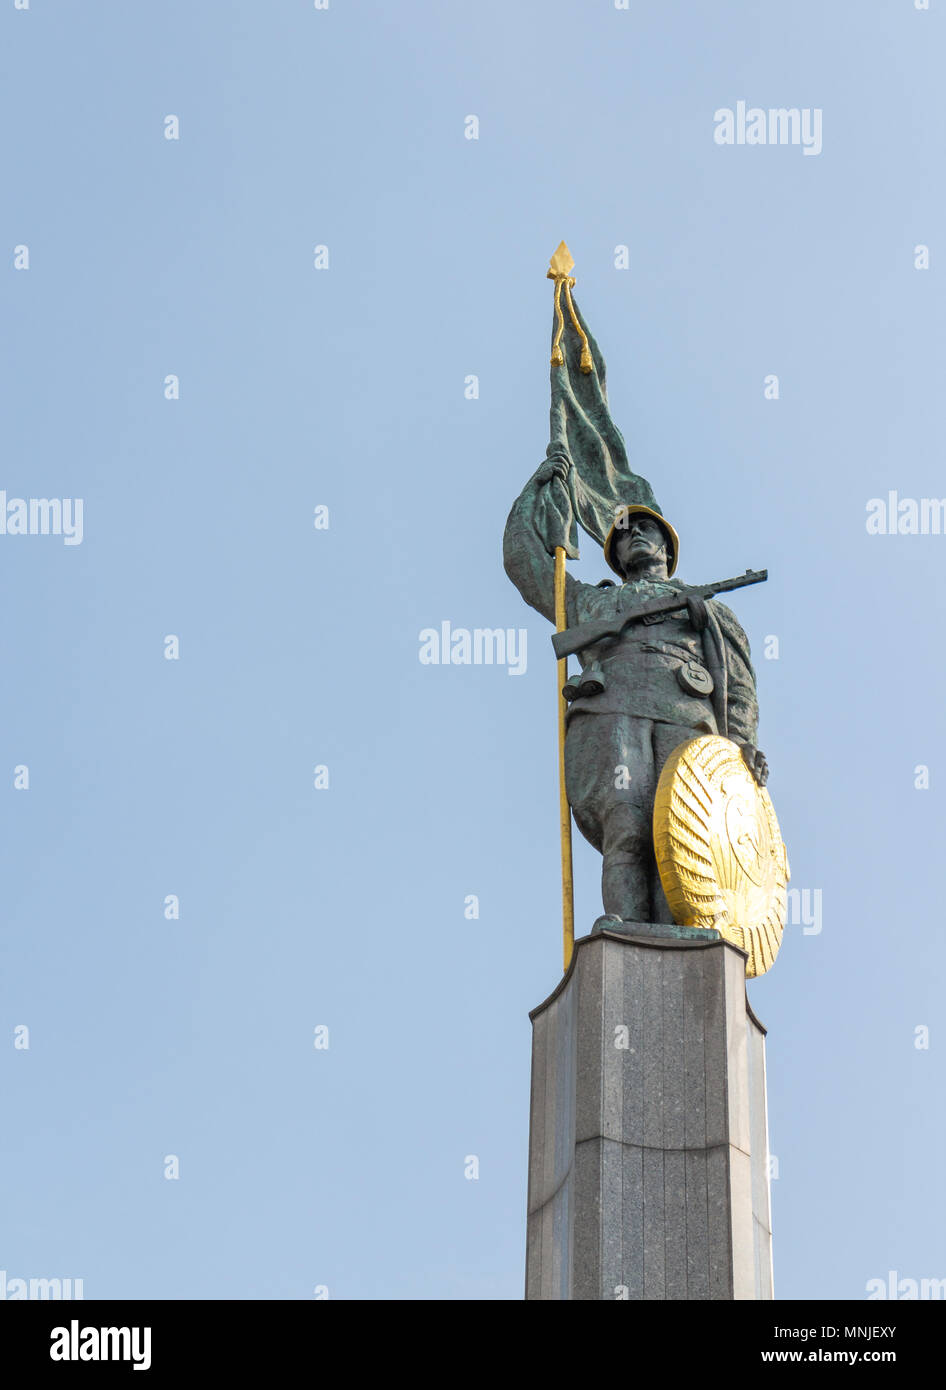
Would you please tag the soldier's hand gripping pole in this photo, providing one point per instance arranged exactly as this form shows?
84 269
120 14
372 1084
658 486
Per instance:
565 817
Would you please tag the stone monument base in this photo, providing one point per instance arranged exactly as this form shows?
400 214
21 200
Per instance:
648 1146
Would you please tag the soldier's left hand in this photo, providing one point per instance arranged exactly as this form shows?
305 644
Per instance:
755 762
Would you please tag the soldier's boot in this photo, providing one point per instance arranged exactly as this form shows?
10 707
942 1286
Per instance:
628 854
661 908
625 886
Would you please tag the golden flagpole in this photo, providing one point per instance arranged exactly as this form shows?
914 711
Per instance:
565 815
559 270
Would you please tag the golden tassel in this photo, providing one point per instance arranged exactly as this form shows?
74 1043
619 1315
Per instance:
559 266
558 357
586 363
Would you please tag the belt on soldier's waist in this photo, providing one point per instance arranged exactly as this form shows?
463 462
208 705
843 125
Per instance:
650 648
691 674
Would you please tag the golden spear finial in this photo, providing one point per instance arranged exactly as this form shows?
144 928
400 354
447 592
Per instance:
560 266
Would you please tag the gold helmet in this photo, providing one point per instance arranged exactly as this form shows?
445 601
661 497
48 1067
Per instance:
620 524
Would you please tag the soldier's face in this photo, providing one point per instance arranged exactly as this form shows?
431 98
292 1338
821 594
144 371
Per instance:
642 543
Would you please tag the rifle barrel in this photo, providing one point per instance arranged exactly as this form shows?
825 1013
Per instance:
573 639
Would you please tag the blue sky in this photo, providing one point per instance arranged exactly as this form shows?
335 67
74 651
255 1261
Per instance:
345 387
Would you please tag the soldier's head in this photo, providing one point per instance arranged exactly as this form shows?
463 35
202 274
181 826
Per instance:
641 545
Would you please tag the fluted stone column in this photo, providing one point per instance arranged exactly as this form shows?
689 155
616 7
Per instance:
648 1147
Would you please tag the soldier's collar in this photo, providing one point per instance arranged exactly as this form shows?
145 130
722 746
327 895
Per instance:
671 584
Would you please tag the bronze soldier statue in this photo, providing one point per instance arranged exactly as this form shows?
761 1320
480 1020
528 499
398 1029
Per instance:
663 679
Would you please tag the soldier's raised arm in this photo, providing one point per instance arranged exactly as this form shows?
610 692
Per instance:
525 555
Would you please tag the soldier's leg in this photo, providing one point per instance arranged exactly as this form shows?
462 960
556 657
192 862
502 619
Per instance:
627 841
612 764
666 737
610 782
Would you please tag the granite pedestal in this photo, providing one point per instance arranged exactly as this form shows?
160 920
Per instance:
648 1147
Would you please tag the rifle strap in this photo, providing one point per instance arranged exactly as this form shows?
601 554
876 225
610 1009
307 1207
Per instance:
714 649
699 613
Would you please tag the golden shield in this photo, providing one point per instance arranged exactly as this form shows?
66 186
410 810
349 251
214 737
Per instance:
719 849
